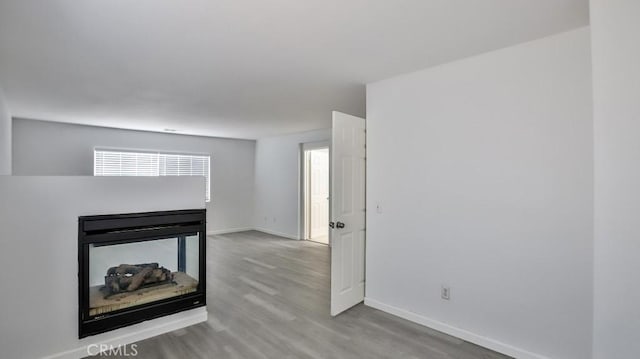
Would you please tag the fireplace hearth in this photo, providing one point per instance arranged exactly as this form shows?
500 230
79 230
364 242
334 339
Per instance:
140 266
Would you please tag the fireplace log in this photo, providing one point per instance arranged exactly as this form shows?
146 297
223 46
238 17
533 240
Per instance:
124 269
139 278
130 277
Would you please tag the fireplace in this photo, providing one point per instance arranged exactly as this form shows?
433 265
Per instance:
139 266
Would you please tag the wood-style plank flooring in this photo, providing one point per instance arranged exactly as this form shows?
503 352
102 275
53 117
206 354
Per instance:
268 297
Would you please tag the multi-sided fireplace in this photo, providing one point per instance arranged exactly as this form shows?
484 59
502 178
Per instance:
135 267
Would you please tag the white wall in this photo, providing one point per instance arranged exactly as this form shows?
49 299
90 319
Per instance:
483 171
55 149
616 80
277 182
39 256
5 137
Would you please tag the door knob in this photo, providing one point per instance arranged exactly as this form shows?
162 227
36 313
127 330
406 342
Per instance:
339 225
332 225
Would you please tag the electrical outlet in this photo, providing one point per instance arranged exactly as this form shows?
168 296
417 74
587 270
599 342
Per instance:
378 208
445 292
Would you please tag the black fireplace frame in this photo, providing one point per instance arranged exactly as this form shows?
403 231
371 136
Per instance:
138 227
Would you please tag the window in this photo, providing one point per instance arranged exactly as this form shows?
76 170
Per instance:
141 163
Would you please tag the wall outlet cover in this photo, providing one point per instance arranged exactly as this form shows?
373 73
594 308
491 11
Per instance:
445 292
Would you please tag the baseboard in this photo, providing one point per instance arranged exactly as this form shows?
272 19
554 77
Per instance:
276 233
268 231
480 340
229 230
194 316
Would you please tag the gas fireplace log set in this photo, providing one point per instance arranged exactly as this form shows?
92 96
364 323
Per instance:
130 277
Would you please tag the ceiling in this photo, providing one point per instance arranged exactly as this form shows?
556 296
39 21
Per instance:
241 68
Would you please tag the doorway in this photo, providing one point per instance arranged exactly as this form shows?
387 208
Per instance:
316 192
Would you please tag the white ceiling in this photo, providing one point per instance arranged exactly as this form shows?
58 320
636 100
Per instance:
241 68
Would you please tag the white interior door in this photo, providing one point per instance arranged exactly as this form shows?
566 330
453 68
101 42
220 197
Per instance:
347 234
319 192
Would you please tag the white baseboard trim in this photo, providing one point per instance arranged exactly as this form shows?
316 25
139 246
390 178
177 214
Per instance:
268 231
276 233
229 230
453 331
194 316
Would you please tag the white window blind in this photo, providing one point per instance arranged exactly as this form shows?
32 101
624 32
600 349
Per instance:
139 163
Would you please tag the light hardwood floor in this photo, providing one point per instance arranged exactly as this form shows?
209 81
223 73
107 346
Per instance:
268 297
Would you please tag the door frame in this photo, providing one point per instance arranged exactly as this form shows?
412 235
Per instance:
303 214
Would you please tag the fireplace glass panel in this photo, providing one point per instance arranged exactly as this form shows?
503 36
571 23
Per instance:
131 274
